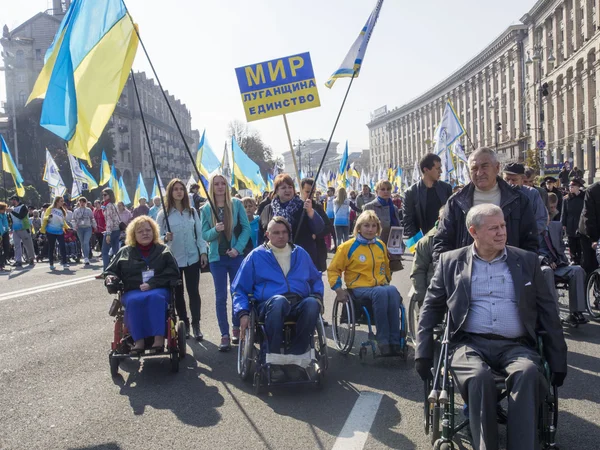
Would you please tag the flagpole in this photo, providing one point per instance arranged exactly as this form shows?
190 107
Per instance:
314 185
162 201
287 130
185 143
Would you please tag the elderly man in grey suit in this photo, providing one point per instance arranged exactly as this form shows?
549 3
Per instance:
497 299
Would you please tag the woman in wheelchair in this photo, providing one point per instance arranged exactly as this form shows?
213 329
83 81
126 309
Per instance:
146 269
364 262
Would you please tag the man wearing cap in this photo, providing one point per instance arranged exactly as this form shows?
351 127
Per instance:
486 187
513 175
21 231
551 188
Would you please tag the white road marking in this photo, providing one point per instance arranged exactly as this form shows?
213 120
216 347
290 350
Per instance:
355 432
45 287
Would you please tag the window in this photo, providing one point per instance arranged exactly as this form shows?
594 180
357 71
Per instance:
20 58
22 97
38 54
20 78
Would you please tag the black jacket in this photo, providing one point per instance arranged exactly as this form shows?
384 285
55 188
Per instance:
589 224
321 257
414 205
563 176
128 265
521 228
571 212
450 289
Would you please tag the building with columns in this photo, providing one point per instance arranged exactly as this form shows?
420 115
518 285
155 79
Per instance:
535 82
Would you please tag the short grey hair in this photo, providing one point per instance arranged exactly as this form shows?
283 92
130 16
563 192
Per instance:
483 151
279 220
477 213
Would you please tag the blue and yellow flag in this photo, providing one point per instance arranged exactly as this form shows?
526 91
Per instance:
411 243
342 177
123 192
85 70
270 181
113 183
104 170
140 191
353 61
246 170
156 191
90 180
206 160
9 166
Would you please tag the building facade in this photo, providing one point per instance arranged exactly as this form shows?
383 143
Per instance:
534 87
23 54
308 156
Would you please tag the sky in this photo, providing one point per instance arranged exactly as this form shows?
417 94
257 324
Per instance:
196 45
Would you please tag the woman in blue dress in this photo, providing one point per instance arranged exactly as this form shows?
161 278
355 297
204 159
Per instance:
147 270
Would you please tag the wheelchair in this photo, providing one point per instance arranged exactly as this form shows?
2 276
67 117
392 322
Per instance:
255 362
592 295
440 408
347 316
175 342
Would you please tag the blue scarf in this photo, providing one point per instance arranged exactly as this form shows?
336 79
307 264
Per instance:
390 204
287 209
364 240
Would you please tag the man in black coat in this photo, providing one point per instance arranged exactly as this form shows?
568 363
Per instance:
589 228
486 187
321 256
424 199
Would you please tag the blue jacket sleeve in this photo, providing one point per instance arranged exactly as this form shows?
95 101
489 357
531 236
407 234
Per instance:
242 286
209 233
315 277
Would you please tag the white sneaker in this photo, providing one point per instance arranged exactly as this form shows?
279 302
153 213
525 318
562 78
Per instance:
86 261
65 266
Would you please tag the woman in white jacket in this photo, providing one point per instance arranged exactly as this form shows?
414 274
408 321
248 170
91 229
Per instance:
186 243
84 223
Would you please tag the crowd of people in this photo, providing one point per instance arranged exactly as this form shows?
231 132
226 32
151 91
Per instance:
491 254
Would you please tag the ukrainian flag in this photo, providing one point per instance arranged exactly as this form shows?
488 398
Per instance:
123 192
270 181
10 167
90 180
113 183
207 162
104 170
246 170
411 243
140 191
353 61
85 70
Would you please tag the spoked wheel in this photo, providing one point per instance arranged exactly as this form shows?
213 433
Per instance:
343 325
114 365
413 320
181 344
592 295
321 345
246 353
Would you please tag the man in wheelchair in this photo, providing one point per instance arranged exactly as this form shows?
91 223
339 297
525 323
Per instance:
285 284
497 300
556 268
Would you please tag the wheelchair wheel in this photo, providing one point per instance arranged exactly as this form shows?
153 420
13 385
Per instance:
592 295
246 350
321 345
413 320
174 362
114 365
435 424
343 319
181 344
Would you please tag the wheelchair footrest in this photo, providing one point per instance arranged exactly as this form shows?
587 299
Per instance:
303 360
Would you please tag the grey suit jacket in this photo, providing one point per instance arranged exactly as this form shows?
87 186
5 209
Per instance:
555 234
450 289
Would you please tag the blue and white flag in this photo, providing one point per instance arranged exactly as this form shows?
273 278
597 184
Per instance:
459 152
448 131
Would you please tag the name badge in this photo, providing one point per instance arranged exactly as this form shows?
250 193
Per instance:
147 275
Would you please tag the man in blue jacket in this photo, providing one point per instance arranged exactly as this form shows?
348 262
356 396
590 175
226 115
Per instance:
285 284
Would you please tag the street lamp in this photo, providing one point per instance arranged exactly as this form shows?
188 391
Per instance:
542 91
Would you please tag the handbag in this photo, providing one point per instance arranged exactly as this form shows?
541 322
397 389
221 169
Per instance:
122 226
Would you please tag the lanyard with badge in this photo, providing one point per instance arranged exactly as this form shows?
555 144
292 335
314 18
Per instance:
148 273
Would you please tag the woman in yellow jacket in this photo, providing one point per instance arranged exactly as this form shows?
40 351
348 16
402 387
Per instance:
54 225
364 262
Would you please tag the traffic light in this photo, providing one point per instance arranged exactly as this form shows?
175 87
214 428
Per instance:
545 89
499 126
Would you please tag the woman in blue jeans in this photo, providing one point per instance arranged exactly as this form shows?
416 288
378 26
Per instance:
84 222
54 225
227 233
112 233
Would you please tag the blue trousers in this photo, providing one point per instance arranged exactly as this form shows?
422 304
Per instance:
114 244
146 312
219 270
305 313
386 308
85 234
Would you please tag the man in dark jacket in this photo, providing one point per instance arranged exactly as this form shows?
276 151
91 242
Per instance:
563 176
571 213
424 199
589 228
486 187
366 196
320 259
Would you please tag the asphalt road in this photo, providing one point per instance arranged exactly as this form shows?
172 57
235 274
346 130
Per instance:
56 391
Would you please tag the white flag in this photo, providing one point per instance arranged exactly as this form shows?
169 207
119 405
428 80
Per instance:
51 172
79 177
416 175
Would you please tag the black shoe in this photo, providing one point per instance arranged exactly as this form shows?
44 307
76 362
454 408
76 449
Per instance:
384 350
197 333
396 349
580 318
17 265
277 375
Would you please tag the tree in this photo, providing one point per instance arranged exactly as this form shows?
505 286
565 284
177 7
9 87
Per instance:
251 142
532 159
